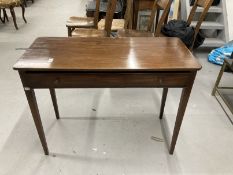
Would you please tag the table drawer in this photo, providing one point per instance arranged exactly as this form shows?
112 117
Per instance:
103 80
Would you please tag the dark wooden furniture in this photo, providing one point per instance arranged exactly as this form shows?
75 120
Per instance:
155 12
118 24
83 22
90 8
3 15
106 32
107 63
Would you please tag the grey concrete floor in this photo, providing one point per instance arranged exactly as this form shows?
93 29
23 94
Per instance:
105 131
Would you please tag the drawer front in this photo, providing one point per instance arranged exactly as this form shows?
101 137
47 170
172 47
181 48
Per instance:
104 80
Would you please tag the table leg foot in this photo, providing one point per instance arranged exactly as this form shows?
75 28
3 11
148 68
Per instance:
30 94
180 114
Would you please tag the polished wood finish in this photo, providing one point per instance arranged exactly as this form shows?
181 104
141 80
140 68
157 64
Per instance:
155 11
107 27
102 54
107 63
83 22
205 4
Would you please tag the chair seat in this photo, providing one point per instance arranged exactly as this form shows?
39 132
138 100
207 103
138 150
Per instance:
75 21
10 3
134 33
82 32
117 24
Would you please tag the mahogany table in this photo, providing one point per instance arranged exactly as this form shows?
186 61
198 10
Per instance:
107 63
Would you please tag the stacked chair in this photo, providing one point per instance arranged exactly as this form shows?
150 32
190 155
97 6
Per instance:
157 6
83 22
86 31
119 24
90 27
11 4
205 4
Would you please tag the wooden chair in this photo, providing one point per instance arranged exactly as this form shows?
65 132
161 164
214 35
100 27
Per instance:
3 18
219 90
84 32
205 4
157 6
11 4
83 22
118 24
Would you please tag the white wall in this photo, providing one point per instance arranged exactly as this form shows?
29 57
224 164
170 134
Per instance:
229 6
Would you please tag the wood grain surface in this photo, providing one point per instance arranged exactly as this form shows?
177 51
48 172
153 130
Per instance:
107 54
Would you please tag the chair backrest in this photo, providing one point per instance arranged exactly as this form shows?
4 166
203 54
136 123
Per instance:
157 6
109 16
96 14
128 14
205 4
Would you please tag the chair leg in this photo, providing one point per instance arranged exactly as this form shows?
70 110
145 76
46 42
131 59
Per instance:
1 16
219 78
25 3
23 11
14 17
5 15
70 29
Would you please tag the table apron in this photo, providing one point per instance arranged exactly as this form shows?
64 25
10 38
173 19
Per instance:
36 79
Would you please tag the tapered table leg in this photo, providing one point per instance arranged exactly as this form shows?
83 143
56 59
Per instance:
163 101
54 100
180 114
36 117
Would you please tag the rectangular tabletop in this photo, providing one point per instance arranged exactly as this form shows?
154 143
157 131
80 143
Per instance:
107 54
